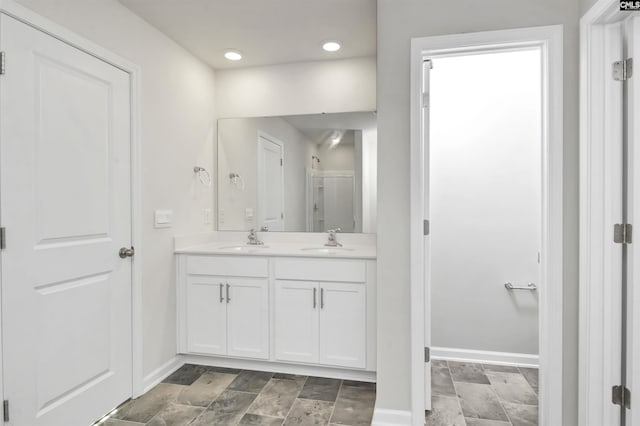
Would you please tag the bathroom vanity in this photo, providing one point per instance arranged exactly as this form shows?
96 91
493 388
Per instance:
299 304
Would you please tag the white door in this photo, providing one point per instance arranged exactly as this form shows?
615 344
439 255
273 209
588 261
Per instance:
343 325
207 315
426 70
270 184
296 316
632 35
65 202
248 318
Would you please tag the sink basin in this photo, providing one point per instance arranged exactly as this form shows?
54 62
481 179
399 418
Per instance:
326 250
242 248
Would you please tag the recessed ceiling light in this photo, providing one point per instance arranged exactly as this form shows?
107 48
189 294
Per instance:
233 55
331 46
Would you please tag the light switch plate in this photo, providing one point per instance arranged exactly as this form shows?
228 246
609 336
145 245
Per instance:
206 213
248 214
162 218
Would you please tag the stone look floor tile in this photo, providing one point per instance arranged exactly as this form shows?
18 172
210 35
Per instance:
439 363
309 412
143 409
255 420
441 383
206 389
276 398
522 415
467 373
480 401
175 415
445 411
223 370
500 368
227 409
321 389
186 375
115 422
354 405
250 381
513 388
531 374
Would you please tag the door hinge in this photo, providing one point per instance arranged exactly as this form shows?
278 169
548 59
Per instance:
427 354
623 70
621 396
425 227
5 410
3 238
3 60
281 162
425 100
622 233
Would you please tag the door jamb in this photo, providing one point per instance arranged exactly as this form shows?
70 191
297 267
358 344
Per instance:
260 166
28 17
551 290
599 367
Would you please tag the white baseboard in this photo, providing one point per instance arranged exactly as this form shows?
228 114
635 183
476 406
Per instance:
281 367
486 357
161 373
383 417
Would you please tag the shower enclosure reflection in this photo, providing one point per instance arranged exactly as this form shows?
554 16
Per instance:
303 173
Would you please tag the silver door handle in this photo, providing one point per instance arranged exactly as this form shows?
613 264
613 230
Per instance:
221 295
228 298
530 286
126 252
315 303
321 298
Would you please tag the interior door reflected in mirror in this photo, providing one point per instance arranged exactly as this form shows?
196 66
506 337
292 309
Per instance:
300 173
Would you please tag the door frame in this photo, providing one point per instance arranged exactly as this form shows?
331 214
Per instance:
550 40
28 17
600 176
260 168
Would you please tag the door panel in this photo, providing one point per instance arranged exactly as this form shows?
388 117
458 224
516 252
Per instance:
207 315
343 325
65 201
248 318
296 316
271 185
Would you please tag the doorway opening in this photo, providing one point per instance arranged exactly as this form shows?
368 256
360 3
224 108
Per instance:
486 261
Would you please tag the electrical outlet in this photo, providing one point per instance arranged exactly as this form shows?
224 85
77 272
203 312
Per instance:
221 216
207 215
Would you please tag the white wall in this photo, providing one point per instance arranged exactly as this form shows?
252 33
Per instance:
237 153
398 22
178 130
301 88
338 157
585 5
369 179
485 200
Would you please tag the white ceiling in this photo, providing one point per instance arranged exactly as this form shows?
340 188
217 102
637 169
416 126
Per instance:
320 127
265 31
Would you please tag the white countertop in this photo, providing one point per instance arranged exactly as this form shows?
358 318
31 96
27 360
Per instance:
283 244
300 249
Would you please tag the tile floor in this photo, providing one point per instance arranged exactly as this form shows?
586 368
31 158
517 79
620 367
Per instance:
197 396
483 395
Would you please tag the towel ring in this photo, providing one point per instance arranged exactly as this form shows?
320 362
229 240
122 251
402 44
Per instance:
203 175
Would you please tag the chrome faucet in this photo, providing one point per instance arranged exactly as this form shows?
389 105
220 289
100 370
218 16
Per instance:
332 242
253 239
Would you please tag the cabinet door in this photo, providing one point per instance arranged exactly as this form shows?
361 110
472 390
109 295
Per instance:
296 317
206 316
343 325
248 318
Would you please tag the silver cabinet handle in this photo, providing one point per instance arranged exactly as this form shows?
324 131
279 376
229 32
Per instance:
321 298
530 286
221 295
228 298
315 303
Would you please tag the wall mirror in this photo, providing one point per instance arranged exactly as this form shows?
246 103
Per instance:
300 173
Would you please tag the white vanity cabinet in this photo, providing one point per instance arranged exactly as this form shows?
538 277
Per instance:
313 312
224 314
321 322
